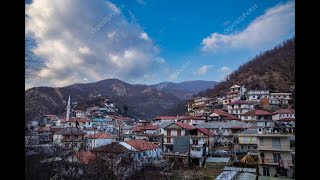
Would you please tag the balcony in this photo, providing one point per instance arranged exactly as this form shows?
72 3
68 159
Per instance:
275 162
273 148
196 145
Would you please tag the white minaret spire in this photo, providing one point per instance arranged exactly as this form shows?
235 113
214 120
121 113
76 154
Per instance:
68 109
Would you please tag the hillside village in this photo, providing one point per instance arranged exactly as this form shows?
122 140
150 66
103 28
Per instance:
245 134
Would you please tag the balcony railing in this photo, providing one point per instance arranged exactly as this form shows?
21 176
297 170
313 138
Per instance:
274 147
275 162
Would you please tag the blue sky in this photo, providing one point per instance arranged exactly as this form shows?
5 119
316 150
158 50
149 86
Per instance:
147 41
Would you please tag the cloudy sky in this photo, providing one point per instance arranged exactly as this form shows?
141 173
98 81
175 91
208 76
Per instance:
146 41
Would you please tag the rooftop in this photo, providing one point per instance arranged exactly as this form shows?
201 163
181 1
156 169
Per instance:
257 112
141 145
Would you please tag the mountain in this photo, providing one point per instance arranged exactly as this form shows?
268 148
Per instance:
185 90
143 101
273 70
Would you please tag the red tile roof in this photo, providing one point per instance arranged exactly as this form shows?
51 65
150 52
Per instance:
190 117
287 119
206 131
86 157
240 102
285 111
136 129
257 112
100 135
233 92
141 145
166 117
185 125
151 127
231 117
220 112
43 129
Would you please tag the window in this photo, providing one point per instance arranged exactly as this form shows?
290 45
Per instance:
249 147
89 123
266 171
245 117
168 132
66 145
276 143
76 136
69 124
241 147
276 157
75 144
261 139
168 140
255 147
179 132
195 142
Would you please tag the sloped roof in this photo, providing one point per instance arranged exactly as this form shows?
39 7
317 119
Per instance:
287 119
86 157
136 129
114 147
70 131
151 127
166 117
141 145
100 135
206 131
284 111
226 125
240 102
257 112
190 117
185 125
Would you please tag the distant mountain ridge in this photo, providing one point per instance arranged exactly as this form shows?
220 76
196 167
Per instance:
143 101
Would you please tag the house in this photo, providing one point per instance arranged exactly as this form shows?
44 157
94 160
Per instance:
254 115
176 137
222 116
79 113
283 113
192 120
227 100
200 139
161 119
239 107
151 129
69 138
128 157
197 103
275 158
280 98
81 122
247 141
98 139
265 125
286 125
256 95
224 131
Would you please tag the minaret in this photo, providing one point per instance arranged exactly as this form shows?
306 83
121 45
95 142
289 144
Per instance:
68 109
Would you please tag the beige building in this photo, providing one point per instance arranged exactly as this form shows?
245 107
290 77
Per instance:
275 155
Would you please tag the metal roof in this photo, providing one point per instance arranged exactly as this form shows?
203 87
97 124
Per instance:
227 175
227 168
246 176
217 160
217 125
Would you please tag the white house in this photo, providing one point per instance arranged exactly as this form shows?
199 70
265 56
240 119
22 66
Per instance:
99 139
239 107
280 98
283 113
192 120
254 115
161 119
257 95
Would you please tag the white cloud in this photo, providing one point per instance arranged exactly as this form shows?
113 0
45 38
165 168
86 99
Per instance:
268 29
62 30
144 36
203 70
225 70
85 79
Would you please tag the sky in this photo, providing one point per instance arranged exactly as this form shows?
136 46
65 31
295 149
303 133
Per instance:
150 41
